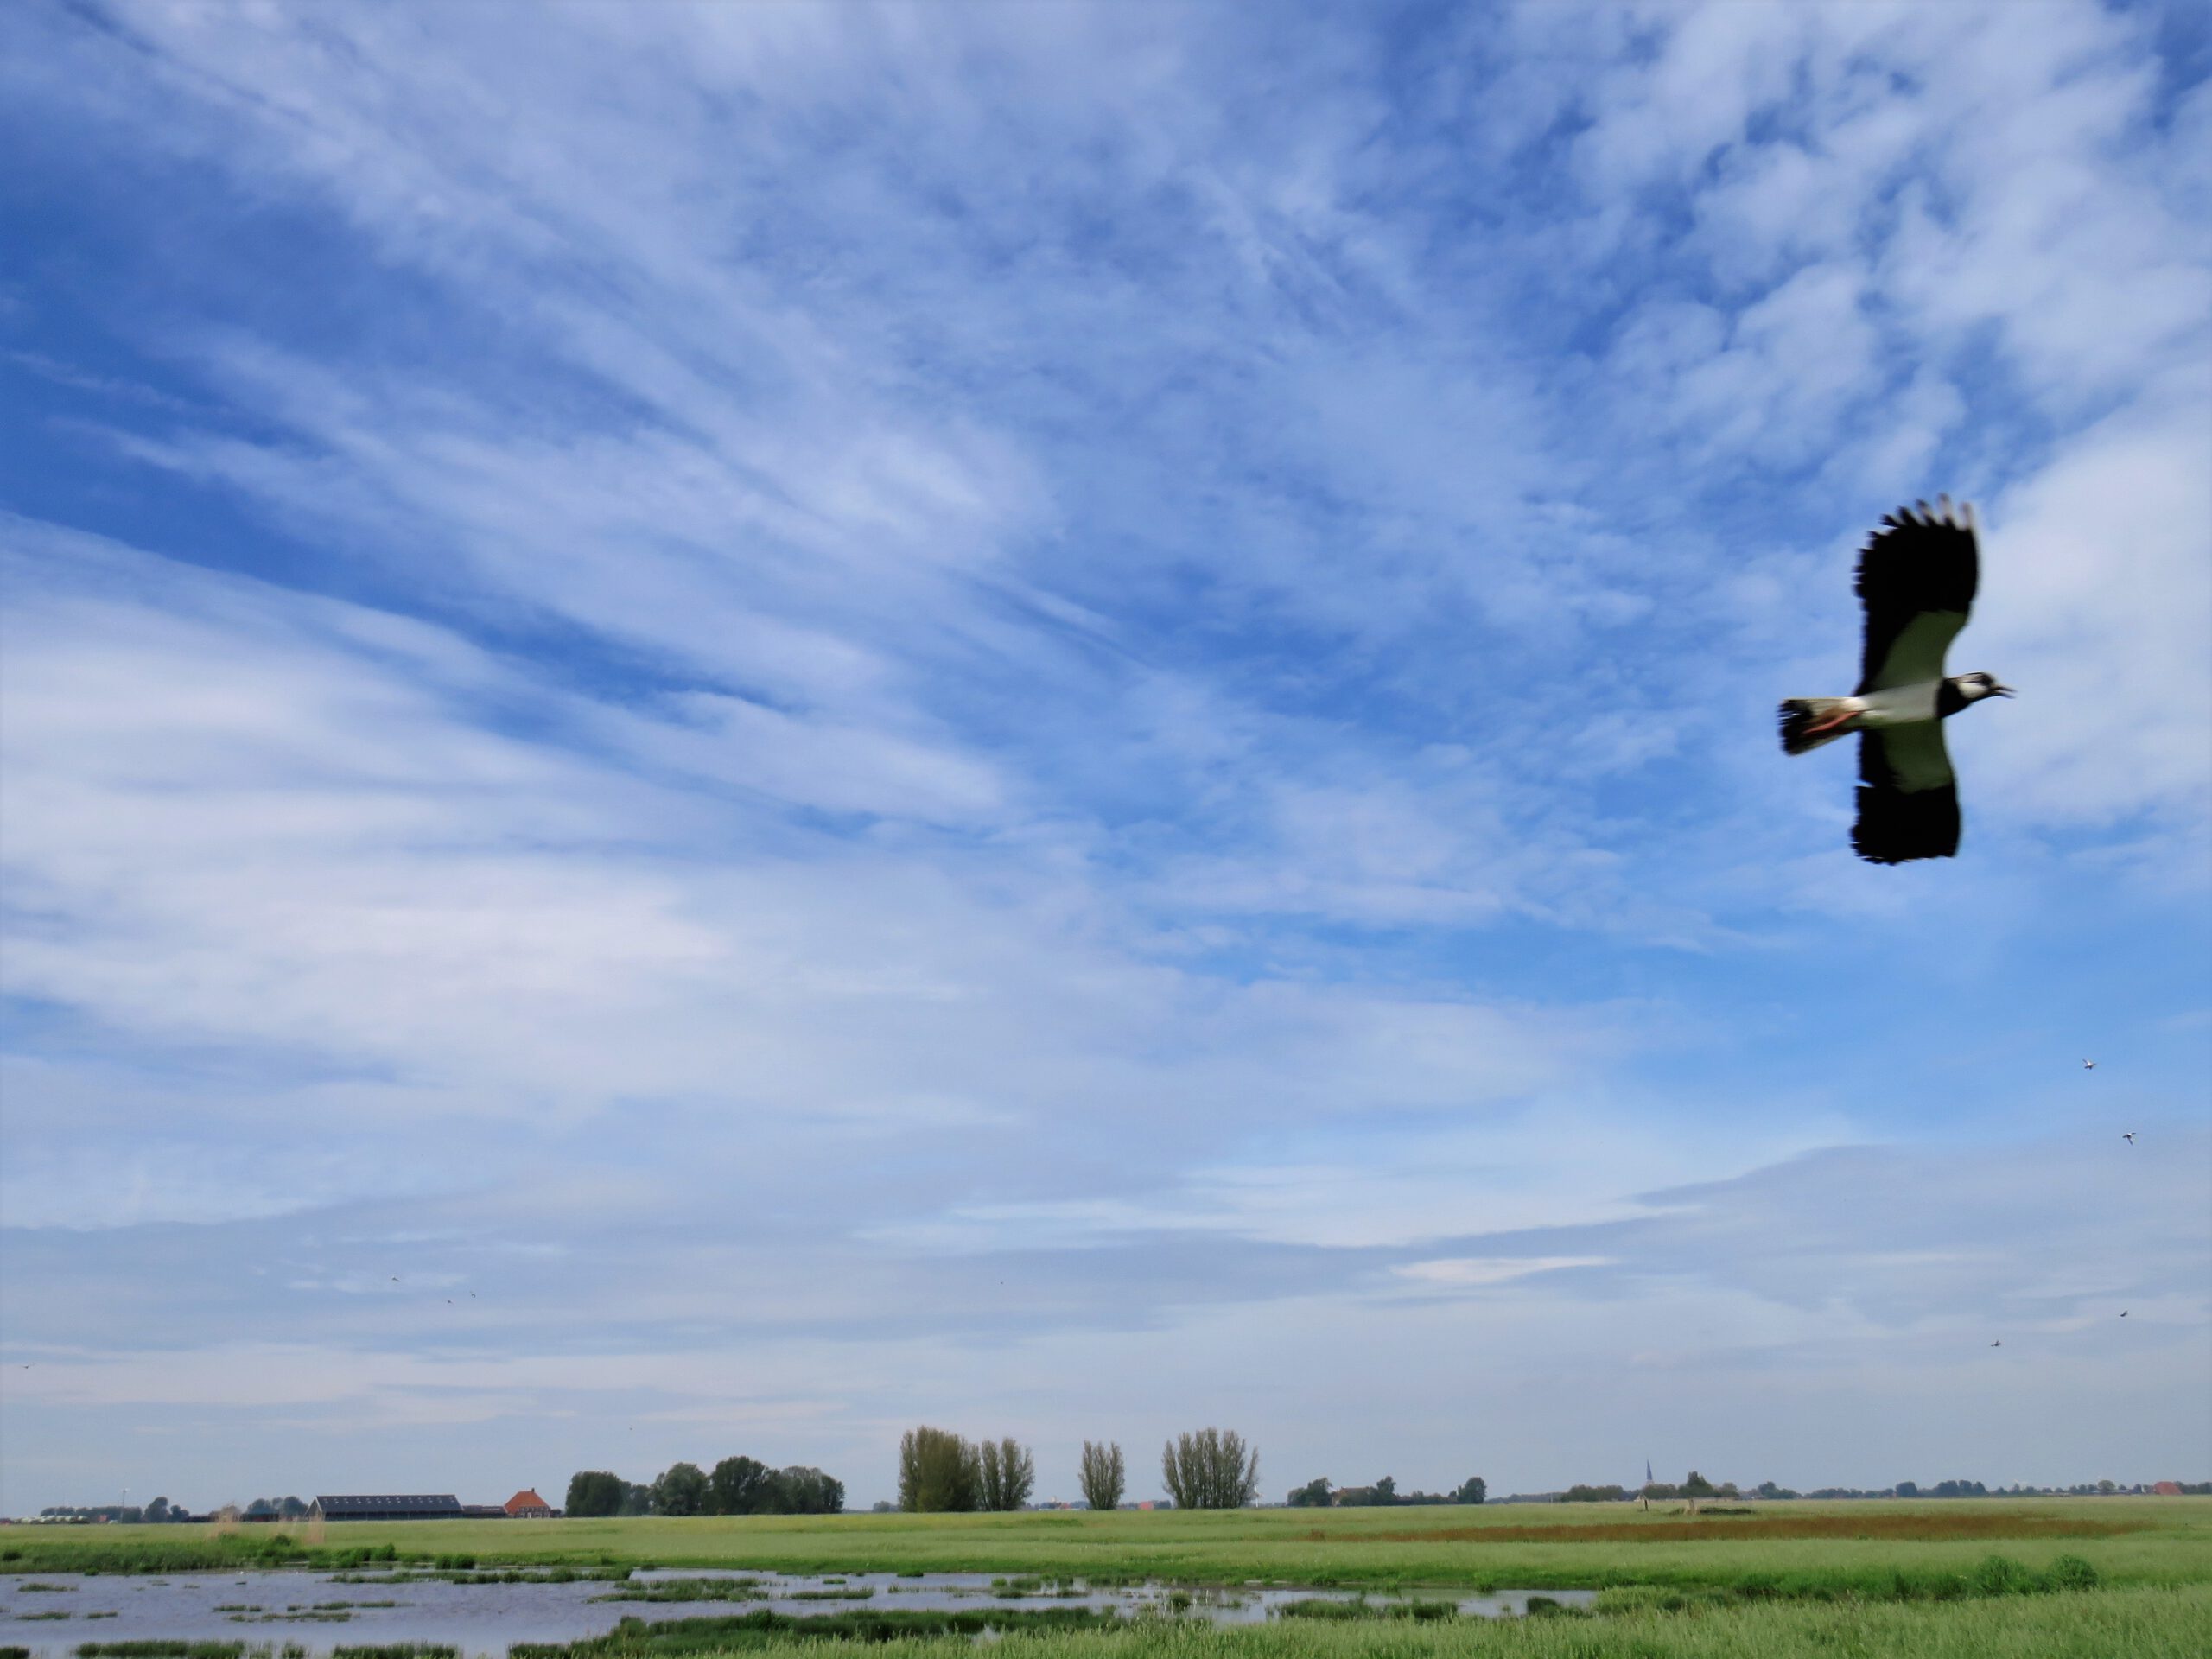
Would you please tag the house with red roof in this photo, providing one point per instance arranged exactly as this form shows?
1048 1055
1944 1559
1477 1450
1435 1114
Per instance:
527 1505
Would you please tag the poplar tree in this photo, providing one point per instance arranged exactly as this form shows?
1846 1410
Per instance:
1212 1469
1104 1475
938 1472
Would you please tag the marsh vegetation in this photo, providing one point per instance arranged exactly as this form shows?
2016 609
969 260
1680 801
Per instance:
1880 1577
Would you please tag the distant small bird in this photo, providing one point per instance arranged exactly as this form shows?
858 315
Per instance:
1916 581
1996 1344
2128 1135
2088 1065
2123 1312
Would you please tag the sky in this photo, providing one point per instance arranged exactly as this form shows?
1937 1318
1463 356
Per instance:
726 727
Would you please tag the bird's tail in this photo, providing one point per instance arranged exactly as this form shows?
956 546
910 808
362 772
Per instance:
1800 715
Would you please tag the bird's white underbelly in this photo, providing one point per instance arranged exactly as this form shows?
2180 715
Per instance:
1897 705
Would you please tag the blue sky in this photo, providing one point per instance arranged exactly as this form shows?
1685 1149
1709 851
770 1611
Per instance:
1059 720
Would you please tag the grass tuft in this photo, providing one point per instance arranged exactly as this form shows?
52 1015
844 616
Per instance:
667 1638
689 1589
1328 1609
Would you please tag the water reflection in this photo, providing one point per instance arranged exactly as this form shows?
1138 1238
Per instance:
51 1613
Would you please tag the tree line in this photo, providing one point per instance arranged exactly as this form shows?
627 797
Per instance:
1383 1494
940 1472
129 1515
161 1510
735 1486
1696 1488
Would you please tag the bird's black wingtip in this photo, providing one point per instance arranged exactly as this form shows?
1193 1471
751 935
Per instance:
1892 856
1894 827
1945 514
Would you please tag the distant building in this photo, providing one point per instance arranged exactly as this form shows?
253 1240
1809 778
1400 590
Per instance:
440 1506
2166 1489
527 1505
483 1512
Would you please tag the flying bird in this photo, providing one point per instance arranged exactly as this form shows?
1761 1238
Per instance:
1996 1344
2123 1312
2128 1135
1916 581
2088 1065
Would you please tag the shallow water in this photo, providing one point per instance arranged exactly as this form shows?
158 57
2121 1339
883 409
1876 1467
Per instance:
483 1618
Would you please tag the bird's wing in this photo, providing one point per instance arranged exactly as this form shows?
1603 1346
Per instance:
1916 578
1908 796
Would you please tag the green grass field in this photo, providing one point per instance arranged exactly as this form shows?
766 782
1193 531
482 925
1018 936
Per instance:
2101 1625
2143 1624
1864 1579
1788 1550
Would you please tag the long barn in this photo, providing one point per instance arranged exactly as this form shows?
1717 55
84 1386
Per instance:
380 1506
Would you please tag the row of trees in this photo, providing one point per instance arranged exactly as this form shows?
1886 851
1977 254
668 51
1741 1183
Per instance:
938 1471
1383 1494
161 1510
1696 1487
120 1514
736 1486
1208 1469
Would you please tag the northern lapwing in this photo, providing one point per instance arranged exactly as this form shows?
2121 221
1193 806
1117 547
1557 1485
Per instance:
2128 1135
1916 581
2088 1065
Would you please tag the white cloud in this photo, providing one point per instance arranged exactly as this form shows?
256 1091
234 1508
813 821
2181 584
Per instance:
2099 603
249 818
1471 1271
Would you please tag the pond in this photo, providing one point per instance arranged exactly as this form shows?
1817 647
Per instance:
52 1613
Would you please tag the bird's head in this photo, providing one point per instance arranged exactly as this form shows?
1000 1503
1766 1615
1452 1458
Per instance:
1973 687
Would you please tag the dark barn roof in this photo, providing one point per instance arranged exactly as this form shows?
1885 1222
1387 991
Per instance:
385 1506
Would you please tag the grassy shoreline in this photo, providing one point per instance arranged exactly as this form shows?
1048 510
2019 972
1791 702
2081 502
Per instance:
2148 1623
2143 1624
1797 1550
